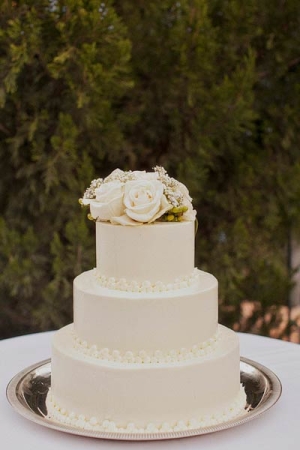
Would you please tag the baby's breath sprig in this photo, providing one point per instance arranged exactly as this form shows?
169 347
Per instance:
90 191
161 171
120 175
173 195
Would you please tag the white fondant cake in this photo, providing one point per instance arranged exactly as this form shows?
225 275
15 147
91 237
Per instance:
145 352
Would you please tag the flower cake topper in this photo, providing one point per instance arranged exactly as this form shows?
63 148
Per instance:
137 197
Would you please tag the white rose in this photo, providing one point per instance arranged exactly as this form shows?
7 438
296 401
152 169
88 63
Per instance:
184 191
116 173
143 175
108 202
190 214
144 202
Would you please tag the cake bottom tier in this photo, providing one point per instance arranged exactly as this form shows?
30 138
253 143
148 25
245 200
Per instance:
105 395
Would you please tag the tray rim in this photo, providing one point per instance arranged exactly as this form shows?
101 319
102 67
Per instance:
24 410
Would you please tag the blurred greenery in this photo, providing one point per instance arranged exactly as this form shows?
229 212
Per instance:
210 89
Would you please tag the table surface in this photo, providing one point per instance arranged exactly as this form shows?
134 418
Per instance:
275 429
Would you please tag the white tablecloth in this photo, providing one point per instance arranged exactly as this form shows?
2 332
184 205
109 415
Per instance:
278 428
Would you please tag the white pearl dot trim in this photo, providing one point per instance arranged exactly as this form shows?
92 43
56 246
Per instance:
145 357
80 421
147 286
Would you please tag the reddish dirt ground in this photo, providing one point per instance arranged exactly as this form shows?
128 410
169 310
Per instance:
278 320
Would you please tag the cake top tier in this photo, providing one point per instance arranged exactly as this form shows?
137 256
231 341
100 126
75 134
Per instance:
157 252
138 197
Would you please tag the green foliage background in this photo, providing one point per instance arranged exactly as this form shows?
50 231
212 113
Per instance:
207 88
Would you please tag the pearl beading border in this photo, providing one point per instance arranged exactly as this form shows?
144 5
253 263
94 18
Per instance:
143 357
80 421
147 286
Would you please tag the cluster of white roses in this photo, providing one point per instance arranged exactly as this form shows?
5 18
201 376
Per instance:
136 197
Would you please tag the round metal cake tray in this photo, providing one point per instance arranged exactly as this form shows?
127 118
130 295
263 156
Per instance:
27 393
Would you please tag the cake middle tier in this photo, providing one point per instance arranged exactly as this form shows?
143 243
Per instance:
145 321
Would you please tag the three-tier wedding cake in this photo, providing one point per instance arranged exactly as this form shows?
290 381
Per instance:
145 352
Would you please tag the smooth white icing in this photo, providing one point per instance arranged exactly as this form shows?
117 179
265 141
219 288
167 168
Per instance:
143 394
156 252
92 423
145 321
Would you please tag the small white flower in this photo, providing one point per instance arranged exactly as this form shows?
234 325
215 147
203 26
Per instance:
108 201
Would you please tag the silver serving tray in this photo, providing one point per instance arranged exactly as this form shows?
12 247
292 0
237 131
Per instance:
27 392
